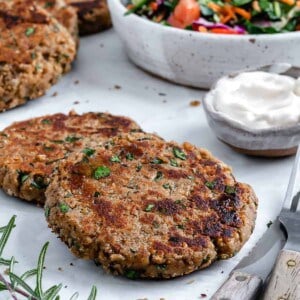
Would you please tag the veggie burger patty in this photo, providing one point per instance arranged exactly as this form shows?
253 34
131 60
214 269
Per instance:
93 15
35 49
64 13
143 207
31 149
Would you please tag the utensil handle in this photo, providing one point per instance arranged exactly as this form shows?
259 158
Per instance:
285 279
239 286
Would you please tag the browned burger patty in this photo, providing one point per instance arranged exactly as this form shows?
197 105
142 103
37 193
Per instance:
35 50
30 150
143 207
65 14
93 15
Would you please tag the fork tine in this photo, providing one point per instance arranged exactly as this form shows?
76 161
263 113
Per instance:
290 202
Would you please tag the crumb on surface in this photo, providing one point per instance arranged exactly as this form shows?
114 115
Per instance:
76 102
195 103
117 87
203 296
76 81
59 269
162 94
54 94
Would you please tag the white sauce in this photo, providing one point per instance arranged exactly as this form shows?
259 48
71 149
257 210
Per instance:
258 100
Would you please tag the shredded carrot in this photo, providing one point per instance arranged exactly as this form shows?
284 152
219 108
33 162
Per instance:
130 6
288 2
223 30
242 12
227 13
154 6
214 7
256 6
160 17
202 29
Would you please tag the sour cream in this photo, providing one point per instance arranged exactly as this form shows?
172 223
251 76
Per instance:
257 100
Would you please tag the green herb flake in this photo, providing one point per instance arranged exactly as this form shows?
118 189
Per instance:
180 226
115 159
88 151
173 162
64 208
72 139
129 156
159 176
179 153
39 183
167 186
46 122
156 161
210 184
29 31
48 148
269 224
149 207
101 172
97 194
162 267
22 176
47 212
231 190
131 274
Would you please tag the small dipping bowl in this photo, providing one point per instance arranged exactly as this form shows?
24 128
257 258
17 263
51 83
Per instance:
270 142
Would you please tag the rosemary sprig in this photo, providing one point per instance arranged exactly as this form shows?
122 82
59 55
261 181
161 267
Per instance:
17 286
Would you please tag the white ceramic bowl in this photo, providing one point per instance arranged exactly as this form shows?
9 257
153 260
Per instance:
271 142
198 59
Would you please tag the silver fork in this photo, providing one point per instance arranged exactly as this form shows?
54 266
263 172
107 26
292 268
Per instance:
284 282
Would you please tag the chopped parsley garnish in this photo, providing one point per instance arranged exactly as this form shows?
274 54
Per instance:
72 139
269 224
97 194
115 159
129 156
156 161
88 151
159 176
231 190
101 172
48 148
161 267
64 208
179 153
173 162
29 31
167 186
131 274
57 141
39 183
47 212
180 226
210 184
149 207
22 176
46 121
138 167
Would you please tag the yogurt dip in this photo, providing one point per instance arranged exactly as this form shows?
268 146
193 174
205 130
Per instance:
257 100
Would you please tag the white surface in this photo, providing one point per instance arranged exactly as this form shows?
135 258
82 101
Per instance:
101 65
198 59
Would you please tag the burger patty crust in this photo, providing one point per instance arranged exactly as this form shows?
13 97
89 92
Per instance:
143 207
31 149
64 13
93 15
35 50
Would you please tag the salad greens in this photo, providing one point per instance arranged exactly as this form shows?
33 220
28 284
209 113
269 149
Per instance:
222 16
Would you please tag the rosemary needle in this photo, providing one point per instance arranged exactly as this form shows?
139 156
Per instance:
17 285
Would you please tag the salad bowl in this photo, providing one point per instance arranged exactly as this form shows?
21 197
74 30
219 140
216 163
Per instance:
198 59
